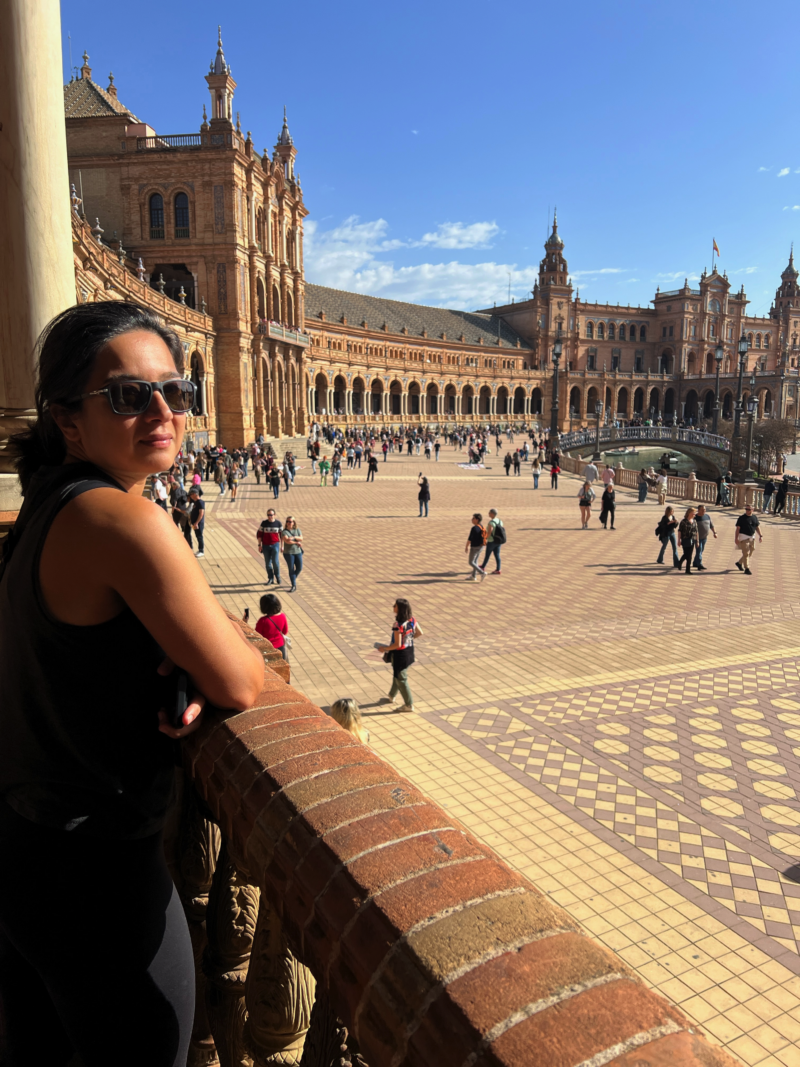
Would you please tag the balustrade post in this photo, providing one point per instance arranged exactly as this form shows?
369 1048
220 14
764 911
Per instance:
739 494
691 487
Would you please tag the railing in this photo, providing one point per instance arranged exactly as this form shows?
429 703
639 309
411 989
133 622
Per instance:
188 140
286 334
337 913
674 434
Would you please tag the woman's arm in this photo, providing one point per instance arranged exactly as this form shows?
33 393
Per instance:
109 549
396 641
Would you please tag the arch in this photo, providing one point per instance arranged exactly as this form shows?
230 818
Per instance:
622 402
536 401
176 276
197 374
708 404
575 402
261 299
669 403
590 330
320 393
467 400
519 401
664 361
638 401
395 397
414 398
622 331
376 396
592 399
690 405
357 396
181 207
601 331
758 340
156 209
289 316
642 333
691 363
502 401
710 362
609 405
766 403
749 340
611 331
766 340
727 405
276 304
339 395
449 399
485 400
432 399
653 407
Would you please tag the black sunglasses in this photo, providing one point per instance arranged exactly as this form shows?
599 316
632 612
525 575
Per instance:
134 397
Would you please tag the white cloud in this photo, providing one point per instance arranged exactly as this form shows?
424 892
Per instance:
760 169
416 132
457 235
602 270
783 172
745 270
670 277
347 257
795 207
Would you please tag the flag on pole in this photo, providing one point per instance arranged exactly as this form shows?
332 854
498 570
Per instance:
716 247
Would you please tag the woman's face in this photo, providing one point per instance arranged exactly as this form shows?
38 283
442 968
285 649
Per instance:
128 446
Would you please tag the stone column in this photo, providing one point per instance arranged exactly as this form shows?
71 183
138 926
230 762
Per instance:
275 428
261 412
35 223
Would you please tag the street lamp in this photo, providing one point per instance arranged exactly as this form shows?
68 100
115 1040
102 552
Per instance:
598 410
743 350
752 405
718 357
557 349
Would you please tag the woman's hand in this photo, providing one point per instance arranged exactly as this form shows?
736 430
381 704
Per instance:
191 717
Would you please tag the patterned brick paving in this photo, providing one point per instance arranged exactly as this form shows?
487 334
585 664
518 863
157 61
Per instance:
627 739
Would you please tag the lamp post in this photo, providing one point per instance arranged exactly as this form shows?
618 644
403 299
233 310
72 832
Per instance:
743 350
752 405
557 349
598 410
718 357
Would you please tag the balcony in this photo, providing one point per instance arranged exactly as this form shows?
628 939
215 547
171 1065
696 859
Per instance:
183 141
283 333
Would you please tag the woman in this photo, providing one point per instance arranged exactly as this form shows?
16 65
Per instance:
100 599
234 474
689 537
424 495
665 532
536 470
220 477
608 506
401 653
555 470
585 497
347 713
336 468
292 540
274 476
641 485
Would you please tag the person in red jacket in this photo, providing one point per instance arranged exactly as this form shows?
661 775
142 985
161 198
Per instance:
273 624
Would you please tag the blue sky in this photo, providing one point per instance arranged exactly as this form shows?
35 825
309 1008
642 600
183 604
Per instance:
434 137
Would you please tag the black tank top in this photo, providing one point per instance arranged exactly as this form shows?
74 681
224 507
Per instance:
79 742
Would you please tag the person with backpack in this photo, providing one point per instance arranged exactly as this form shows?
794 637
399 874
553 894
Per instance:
585 498
495 537
476 540
400 653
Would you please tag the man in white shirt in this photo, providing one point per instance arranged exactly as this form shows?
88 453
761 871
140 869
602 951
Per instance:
590 473
661 488
159 492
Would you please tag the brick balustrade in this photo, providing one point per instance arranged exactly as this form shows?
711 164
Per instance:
431 950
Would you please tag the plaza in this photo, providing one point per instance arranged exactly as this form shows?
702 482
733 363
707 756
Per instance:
627 740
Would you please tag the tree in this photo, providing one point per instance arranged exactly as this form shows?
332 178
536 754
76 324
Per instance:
777 437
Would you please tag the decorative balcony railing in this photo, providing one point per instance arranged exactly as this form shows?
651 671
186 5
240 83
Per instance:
673 434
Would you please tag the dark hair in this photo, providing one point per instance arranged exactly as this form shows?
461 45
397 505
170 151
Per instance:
403 610
65 356
269 604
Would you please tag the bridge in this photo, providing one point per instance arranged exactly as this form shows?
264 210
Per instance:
706 449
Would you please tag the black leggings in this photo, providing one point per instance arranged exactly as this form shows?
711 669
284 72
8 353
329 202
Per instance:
95 956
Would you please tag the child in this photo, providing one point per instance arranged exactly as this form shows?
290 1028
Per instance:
347 713
273 624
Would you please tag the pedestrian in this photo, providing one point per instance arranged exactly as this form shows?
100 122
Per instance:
292 540
359 452
585 497
536 470
372 468
476 540
219 476
336 468
507 463
495 537
666 533
347 713
590 473
197 518
234 474
85 768
517 463
273 625
274 476
608 505
385 450
351 456
704 527
780 496
400 653
747 526
324 468
436 447
725 490
769 489
642 485
608 475
555 470
268 536
180 512
424 495
159 492
689 538
661 488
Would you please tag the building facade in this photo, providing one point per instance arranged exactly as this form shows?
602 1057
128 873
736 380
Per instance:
207 223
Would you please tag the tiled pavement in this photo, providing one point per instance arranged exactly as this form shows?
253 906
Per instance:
627 739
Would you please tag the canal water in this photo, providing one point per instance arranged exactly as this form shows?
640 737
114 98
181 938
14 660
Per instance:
650 457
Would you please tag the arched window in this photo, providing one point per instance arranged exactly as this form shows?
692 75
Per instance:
749 340
156 216
713 307
622 331
642 332
611 331
766 340
590 329
758 340
601 330
181 215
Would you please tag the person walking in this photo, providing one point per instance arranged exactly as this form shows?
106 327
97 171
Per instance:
608 505
274 476
405 630
747 526
424 495
642 485
292 541
180 512
268 536
536 471
590 473
372 468
324 469
495 537
555 470
608 475
769 490
159 492
94 573
476 540
780 496
197 518
585 497
666 533
219 476
689 538
704 527
234 474
436 448
661 488
507 463
517 463
385 449
336 468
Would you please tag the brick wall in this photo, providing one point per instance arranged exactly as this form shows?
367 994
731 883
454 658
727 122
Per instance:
432 950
